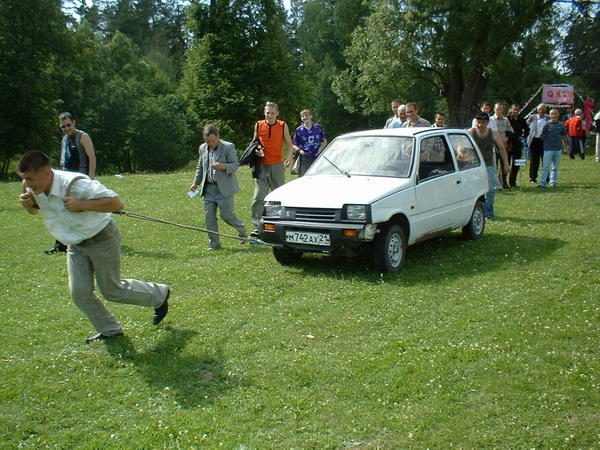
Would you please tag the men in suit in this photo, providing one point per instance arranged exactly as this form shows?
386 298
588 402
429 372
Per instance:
215 176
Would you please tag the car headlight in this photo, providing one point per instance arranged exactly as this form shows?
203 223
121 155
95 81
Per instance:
273 209
356 212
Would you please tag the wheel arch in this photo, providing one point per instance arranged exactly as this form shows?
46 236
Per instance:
402 220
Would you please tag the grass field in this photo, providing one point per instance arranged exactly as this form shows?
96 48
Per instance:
484 344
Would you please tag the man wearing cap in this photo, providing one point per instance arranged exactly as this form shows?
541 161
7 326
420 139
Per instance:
486 138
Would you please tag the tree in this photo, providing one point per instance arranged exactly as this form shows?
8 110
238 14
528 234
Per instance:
32 38
238 61
582 53
454 47
135 117
323 31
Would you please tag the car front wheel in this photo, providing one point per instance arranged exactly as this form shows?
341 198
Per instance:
389 249
287 256
474 229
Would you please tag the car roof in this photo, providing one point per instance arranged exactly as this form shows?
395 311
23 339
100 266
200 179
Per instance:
405 132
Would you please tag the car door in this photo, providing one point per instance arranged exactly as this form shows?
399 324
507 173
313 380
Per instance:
437 187
474 179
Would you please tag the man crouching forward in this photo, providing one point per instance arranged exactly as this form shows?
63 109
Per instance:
77 211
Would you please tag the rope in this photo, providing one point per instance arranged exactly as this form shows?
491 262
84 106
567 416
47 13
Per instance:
189 227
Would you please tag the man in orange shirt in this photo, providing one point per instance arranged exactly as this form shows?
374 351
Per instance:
272 133
577 135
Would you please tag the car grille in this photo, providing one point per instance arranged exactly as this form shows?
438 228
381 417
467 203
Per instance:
317 215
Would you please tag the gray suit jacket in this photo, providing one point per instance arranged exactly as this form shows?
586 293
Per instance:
226 179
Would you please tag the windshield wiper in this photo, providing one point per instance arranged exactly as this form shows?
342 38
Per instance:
343 172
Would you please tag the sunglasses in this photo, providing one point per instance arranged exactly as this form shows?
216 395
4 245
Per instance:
68 125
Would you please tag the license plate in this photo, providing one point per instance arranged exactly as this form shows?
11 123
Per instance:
307 237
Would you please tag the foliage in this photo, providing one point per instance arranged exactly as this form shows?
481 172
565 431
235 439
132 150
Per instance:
523 67
485 344
187 63
32 37
323 32
239 61
582 53
137 121
451 46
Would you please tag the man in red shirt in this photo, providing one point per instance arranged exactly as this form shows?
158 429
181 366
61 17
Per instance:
577 135
272 133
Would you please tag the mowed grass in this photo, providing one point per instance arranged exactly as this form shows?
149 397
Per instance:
492 343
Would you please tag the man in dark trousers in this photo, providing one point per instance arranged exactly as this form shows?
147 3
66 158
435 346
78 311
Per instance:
521 131
536 123
76 155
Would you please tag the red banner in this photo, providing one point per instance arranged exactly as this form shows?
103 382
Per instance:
558 94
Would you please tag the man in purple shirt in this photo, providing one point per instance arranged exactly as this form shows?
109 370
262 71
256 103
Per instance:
309 140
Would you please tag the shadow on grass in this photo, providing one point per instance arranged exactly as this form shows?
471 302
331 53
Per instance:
530 221
434 261
192 380
159 254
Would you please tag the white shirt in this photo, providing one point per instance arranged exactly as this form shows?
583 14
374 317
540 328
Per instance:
73 227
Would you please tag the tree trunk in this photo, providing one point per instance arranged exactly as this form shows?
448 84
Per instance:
463 96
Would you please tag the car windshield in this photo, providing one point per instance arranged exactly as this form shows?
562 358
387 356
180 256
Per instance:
380 156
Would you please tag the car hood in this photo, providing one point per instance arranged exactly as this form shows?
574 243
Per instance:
334 191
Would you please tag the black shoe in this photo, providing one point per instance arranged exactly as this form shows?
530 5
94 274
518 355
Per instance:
101 337
255 234
56 249
161 312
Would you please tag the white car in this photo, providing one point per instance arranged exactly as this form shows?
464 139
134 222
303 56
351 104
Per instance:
379 191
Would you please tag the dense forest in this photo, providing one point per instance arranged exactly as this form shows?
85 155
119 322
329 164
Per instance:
142 77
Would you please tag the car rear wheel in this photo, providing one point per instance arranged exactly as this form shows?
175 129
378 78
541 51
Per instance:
287 256
389 249
474 229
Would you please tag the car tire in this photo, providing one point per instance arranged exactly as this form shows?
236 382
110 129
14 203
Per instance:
389 248
476 226
287 256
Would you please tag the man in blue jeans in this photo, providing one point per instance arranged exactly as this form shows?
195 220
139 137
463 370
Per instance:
552 134
486 138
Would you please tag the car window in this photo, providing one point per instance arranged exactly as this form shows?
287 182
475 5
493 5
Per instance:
386 156
466 156
434 158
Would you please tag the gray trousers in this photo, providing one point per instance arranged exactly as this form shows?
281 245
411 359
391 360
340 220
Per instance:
100 256
213 199
270 177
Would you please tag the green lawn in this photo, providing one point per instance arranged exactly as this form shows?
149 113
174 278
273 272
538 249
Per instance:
491 343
